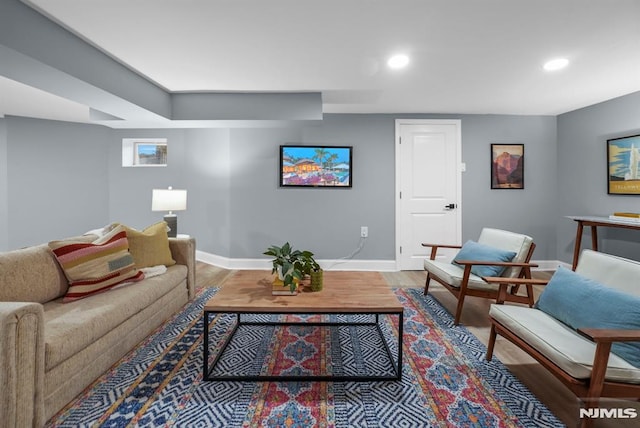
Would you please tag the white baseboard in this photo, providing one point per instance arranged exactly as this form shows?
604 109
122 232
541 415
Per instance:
265 264
351 265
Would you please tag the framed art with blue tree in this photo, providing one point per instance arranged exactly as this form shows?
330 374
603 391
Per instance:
623 169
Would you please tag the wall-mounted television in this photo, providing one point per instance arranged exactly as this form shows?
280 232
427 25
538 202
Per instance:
316 166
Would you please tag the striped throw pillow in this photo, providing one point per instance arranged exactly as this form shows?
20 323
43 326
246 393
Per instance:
97 266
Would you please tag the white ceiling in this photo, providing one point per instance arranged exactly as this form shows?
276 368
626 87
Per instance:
467 56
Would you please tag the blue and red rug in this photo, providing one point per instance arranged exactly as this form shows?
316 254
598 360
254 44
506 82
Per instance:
446 381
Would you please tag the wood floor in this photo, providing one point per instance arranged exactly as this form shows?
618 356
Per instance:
544 386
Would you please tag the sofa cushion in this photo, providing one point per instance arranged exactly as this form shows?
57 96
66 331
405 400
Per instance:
480 252
96 266
74 326
569 350
581 302
150 247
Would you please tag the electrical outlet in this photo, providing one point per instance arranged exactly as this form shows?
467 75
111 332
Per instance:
364 232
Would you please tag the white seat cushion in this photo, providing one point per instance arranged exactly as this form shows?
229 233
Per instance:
569 350
452 274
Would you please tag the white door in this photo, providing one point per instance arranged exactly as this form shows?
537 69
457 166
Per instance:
428 184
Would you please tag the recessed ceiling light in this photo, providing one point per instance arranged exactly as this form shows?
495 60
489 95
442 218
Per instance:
398 61
556 64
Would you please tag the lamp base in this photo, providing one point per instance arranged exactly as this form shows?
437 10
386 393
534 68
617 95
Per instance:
172 222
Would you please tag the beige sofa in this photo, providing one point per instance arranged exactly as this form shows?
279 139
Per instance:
50 351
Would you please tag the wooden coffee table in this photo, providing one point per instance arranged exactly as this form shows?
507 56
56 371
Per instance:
351 293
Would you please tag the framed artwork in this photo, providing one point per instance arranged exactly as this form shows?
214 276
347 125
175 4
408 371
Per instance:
507 166
623 172
316 166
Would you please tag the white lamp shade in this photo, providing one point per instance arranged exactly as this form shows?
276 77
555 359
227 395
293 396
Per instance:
169 200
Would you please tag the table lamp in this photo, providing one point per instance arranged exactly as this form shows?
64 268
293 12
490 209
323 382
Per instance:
169 200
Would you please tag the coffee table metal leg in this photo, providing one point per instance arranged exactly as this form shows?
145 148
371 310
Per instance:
205 345
208 368
400 344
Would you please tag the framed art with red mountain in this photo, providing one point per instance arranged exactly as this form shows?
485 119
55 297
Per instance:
507 166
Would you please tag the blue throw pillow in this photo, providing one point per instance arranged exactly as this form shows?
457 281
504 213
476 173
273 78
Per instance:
581 302
484 253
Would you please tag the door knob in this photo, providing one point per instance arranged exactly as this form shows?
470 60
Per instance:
450 206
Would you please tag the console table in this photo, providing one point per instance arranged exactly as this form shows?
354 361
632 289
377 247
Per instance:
594 222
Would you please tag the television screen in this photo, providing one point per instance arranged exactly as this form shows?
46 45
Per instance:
315 166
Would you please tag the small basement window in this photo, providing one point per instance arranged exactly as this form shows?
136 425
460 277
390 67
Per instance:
144 152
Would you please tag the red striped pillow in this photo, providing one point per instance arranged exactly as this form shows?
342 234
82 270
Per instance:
97 266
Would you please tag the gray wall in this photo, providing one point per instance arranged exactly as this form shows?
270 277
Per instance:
532 210
57 180
130 188
582 174
325 221
235 207
4 187
328 221
60 179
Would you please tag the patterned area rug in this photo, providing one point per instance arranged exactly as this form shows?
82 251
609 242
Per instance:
446 380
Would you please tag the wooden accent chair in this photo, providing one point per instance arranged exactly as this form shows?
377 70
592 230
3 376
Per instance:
461 280
560 333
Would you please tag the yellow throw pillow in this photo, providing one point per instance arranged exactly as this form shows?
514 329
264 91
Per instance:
150 247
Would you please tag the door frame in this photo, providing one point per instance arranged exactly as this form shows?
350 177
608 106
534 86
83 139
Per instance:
460 167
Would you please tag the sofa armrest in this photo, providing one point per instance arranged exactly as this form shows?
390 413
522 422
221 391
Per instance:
183 251
21 364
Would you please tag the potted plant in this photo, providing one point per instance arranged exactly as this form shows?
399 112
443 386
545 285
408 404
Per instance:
292 265
287 264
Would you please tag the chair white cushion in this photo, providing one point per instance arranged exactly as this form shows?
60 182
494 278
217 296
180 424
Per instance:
496 238
559 343
508 241
616 272
452 274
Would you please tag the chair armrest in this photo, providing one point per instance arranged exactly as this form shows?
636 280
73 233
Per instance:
490 263
434 248
604 338
515 281
441 245
503 282
183 251
610 335
21 364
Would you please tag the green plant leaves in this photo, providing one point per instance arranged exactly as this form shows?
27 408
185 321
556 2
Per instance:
294 264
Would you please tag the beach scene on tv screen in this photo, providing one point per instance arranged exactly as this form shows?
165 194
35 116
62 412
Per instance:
316 166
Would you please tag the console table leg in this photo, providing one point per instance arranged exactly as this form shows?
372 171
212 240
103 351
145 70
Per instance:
576 250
